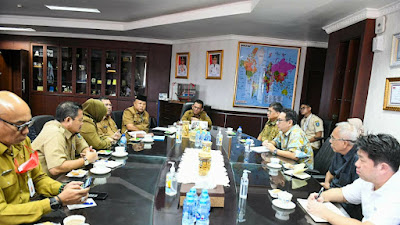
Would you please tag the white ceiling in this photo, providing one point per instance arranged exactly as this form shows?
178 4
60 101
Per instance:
287 19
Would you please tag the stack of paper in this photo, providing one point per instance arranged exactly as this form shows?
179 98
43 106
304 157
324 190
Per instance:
329 205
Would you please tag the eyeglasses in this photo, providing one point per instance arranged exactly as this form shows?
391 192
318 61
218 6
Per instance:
280 120
19 127
341 139
304 107
195 107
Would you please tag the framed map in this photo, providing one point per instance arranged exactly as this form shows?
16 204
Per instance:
266 74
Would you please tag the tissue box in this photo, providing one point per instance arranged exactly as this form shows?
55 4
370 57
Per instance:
217 195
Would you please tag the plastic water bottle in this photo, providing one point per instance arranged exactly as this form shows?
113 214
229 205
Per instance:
246 157
219 138
204 194
197 142
239 135
202 137
178 134
248 144
244 184
188 213
196 201
122 141
202 215
208 136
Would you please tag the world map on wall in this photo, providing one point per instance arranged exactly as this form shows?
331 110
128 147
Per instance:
266 74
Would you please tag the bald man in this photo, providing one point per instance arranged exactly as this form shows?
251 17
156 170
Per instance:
18 181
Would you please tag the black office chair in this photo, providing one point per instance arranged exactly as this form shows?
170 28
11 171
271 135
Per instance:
38 124
322 161
327 132
153 122
117 117
186 107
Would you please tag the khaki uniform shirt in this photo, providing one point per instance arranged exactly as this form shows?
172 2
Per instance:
314 125
139 120
295 140
107 127
202 117
90 133
55 145
15 204
270 131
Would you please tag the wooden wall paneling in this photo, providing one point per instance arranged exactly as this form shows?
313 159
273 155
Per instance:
37 104
52 102
218 119
169 113
6 71
25 75
250 125
74 66
123 104
151 108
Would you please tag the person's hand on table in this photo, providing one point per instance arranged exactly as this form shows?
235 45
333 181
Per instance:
91 155
316 206
325 185
73 193
116 136
270 147
264 143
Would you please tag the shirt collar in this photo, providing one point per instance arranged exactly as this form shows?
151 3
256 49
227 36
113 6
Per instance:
290 130
309 116
3 148
271 123
390 184
351 153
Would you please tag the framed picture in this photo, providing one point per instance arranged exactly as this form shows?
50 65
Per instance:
395 60
182 65
214 64
392 94
266 74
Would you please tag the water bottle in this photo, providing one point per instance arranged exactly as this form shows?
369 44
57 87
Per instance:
196 200
244 184
122 141
178 134
204 194
248 144
188 213
202 137
246 157
208 136
202 215
219 138
239 135
197 142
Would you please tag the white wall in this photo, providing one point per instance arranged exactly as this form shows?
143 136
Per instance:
219 93
376 119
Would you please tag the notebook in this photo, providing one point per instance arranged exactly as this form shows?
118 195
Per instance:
329 205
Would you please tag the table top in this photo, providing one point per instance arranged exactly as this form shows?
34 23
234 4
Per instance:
136 190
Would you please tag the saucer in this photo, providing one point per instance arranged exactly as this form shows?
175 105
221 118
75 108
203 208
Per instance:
275 166
278 203
147 140
119 154
100 171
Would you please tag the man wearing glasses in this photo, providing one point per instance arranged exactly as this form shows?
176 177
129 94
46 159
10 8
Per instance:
136 118
197 113
291 142
21 174
270 130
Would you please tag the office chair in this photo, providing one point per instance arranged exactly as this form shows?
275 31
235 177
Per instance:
322 161
117 117
187 106
38 124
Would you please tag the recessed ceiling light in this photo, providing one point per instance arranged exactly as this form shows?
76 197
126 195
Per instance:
16 29
75 9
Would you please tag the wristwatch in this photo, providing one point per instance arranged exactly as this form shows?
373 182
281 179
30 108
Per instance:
55 204
85 161
275 152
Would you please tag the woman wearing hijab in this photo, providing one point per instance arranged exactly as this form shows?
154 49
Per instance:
93 112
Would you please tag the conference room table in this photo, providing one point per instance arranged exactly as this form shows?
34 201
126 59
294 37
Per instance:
136 190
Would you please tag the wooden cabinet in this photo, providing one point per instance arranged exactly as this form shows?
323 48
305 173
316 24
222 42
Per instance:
168 112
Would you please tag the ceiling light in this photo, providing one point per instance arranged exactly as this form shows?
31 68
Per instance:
16 29
75 9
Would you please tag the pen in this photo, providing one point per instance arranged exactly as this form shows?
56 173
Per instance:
320 192
87 203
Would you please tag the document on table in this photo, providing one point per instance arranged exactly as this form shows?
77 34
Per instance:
89 203
329 205
259 149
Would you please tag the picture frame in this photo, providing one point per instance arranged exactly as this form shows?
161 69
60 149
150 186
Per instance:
392 94
395 56
182 65
214 63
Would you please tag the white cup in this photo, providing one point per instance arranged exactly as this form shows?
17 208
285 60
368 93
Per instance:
230 129
120 149
74 220
100 165
285 197
275 160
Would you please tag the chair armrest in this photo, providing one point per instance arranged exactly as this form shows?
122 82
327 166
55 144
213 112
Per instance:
320 178
312 171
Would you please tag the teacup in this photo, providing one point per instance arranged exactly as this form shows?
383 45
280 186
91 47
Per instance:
275 161
147 136
100 165
74 220
120 149
229 129
285 197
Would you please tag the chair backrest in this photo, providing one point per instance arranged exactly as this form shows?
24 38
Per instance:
38 125
186 107
322 160
117 117
327 128
153 122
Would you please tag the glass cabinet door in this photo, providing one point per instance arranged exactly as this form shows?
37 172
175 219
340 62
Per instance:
81 70
66 71
95 72
52 68
126 74
111 72
37 68
140 73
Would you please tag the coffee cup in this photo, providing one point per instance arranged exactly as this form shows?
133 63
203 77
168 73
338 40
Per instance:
285 197
229 129
120 149
74 220
101 165
275 161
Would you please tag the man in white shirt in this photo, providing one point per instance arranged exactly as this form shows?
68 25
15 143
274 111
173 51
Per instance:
182 69
214 68
376 189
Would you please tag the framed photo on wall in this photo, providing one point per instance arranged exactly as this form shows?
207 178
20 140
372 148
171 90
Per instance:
214 64
392 94
395 59
182 65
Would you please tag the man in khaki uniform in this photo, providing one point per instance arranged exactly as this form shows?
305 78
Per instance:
270 130
136 118
107 126
59 142
15 149
197 113
312 125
